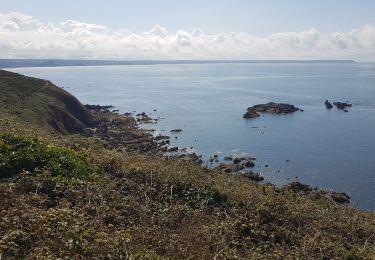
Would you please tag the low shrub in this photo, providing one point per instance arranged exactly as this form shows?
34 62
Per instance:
18 153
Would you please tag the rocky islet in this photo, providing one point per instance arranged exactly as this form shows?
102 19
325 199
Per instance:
272 108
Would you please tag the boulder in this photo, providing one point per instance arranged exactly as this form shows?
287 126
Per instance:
249 164
173 149
254 176
236 160
229 168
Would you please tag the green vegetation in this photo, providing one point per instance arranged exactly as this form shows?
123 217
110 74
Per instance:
41 103
134 205
26 154
145 206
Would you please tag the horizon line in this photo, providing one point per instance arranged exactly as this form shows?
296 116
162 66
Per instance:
35 62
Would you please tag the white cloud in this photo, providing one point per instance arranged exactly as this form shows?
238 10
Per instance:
157 31
220 38
19 22
197 32
75 27
183 38
24 36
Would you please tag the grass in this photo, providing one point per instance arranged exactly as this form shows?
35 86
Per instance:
144 206
41 103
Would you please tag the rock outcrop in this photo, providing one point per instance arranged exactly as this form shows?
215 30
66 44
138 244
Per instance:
328 104
342 105
338 197
123 132
143 118
254 176
271 107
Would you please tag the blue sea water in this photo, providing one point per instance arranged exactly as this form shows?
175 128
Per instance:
326 148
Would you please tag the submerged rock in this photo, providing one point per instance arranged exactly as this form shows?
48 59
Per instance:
176 130
271 107
247 158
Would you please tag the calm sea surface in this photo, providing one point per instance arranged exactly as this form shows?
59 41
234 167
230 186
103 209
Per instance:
325 148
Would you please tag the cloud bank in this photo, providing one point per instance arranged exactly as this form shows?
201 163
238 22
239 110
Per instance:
22 36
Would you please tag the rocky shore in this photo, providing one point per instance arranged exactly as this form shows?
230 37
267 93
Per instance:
300 188
122 131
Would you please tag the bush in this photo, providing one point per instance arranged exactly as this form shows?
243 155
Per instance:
195 197
18 153
297 187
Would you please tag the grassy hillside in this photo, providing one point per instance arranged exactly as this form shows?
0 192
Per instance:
41 103
72 196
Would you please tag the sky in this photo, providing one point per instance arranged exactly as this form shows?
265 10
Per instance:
172 29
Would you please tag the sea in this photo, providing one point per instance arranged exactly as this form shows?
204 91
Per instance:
330 149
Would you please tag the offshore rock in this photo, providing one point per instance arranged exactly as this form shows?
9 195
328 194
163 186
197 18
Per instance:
342 105
328 104
271 107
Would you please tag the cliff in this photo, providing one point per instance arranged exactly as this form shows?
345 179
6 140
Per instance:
42 104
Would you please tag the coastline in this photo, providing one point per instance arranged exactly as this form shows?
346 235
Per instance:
124 131
99 191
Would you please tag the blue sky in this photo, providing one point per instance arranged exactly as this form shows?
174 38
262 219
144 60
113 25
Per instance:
259 17
188 29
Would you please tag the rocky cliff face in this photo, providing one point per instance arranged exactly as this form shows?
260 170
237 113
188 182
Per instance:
41 103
